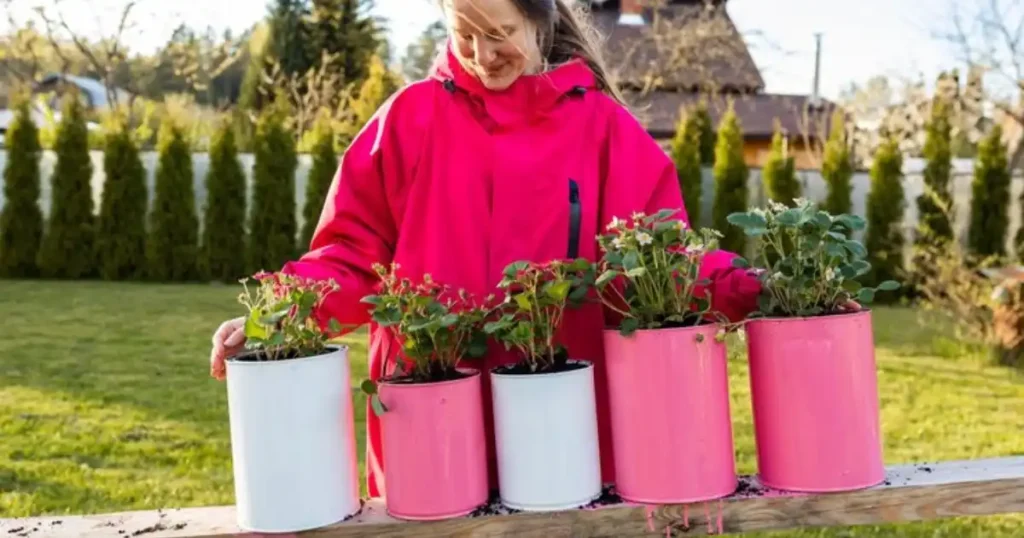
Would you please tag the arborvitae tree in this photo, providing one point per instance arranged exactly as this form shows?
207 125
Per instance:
837 168
272 227
121 235
705 132
380 83
172 250
321 175
935 205
21 221
730 181
990 193
222 254
68 248
686 154
885 206
780 172
346 30
290 44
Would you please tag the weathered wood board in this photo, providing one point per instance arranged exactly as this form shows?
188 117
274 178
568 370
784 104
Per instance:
913 492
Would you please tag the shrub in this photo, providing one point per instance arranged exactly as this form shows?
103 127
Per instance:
172 251
780 172
280 321
321 175
990 193
730 181
705 132
837 168
686 154
68 248
272 226
21 222
224 217
935 205
379 85
885 205
121 236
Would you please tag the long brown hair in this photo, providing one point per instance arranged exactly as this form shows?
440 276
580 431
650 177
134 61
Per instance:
565 32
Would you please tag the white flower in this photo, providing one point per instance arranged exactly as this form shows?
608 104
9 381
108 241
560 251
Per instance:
616 223
617 243
778 276
644 238
695 249
637 217
742 334
681 225
776 206
801 202
830 274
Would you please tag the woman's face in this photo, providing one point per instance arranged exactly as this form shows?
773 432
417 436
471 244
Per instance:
493 40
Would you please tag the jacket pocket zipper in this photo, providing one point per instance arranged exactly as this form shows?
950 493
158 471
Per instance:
575 215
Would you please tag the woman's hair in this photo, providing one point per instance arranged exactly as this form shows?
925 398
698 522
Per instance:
564 33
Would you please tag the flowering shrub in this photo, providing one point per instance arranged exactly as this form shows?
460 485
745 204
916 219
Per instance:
808 264
280 323
650 269
437 326
536 296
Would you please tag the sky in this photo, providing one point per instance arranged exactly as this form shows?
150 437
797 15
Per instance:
860 38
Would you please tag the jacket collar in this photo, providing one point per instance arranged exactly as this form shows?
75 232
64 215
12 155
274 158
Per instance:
528 96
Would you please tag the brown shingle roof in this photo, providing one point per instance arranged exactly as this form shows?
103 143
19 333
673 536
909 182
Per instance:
660 112
683 45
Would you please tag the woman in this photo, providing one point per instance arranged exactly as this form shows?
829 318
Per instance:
516 147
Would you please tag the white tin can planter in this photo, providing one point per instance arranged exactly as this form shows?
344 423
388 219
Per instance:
293 442
545 428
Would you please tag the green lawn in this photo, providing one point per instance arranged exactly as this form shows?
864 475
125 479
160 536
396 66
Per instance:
106 403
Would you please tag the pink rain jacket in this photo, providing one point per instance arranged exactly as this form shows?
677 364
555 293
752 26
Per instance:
457 181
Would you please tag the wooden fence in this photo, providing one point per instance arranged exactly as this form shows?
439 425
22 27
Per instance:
915 492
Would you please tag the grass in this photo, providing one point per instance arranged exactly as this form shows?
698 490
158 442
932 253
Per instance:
106 403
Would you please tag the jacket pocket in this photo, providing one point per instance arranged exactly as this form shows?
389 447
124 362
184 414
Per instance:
575 216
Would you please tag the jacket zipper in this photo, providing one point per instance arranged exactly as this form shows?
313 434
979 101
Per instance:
575 214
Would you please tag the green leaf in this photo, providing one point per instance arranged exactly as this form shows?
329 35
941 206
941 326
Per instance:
823 220
889 285
747 220
605 278
636 272
372 299
449 320
334 326
789 217
378 406
630 261
851 222
559 290
369 387
861 267
629 326
755 231
865 295
523 301
512 269
253 328
855 248
740 263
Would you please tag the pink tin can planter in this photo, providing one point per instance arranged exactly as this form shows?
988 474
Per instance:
815 400
814 385
430 408
435 451
669 406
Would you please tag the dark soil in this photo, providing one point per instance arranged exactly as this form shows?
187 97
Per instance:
748 488
260 356
608 498
493 507
435 377
562 363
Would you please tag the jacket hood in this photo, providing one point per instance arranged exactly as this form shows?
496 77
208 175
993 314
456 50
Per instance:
530 94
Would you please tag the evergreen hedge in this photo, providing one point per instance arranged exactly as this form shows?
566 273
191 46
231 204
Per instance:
222 254
272 226
686 155
780 179
935 205
837 168
731 174
990 192
318 183
21 221
885 206
121 234
69 243
172 250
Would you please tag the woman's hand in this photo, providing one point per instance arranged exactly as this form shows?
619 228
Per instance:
850 306
227 340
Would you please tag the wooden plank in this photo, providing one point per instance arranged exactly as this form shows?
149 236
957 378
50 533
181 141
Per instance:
914 492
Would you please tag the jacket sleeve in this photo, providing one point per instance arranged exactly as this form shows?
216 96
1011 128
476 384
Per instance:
356 227
652 184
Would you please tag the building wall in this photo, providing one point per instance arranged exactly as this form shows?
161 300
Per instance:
755 153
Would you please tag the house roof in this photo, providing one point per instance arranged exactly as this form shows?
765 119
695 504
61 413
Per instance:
94 90
660 112
681 45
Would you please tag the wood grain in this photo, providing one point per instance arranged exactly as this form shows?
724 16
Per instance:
914 492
